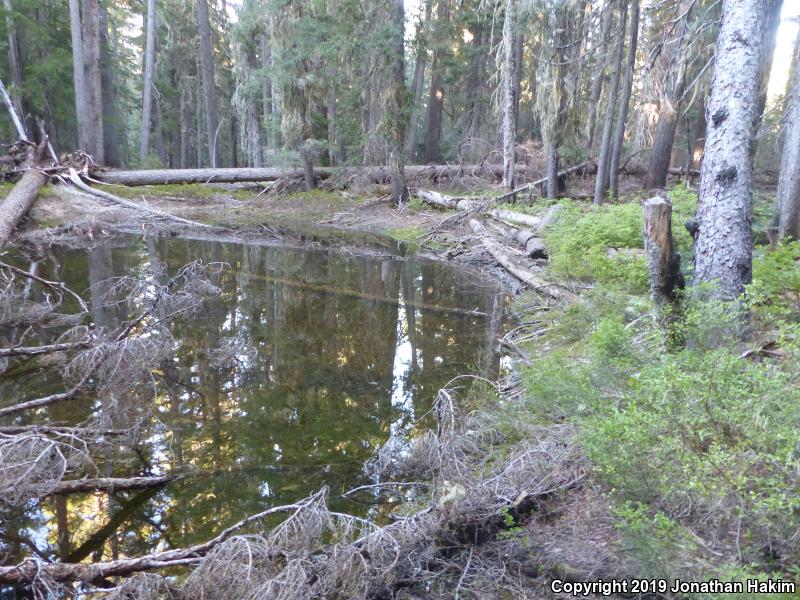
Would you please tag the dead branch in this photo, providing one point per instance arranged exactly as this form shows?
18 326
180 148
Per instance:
78 182
29 570
56 286
46 349
109 484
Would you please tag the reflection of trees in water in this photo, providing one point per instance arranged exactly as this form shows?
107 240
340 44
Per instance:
314 400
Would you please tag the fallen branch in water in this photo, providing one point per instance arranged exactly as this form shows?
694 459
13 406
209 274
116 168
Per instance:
109 484
56 286
47 349
28 571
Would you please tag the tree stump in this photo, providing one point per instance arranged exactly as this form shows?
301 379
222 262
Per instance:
663 262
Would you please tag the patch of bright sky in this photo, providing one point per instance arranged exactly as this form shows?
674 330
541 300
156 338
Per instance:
787 33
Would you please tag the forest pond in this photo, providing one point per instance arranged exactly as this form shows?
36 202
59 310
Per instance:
329 353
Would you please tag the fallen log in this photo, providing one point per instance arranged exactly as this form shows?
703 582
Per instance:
58 430
376 174
30 570
22 196
467 204
533 245
109 484
521 272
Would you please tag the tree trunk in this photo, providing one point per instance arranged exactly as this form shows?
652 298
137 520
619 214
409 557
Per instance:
788 197
433 127
183 118
207 73
147 94
79 77
94 86
108 86
18 201
663 262
418 82
599 75
625 101
552 172
774 8
519 52
507 90
723 242
396 103
604 162
15 62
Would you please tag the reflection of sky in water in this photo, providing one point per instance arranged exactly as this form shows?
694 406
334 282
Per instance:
348 350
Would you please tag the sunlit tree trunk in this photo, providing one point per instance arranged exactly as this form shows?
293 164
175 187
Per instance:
147 94
79 77
599 74
723 241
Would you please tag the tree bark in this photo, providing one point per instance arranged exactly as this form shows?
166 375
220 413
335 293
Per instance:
507 88
663 262
108 484
147 93
723 242
15 63
18 201
599 75
397 103
207 73
79 76
93 80
418 82
625 101
433 127
552 172
604 162
788 196
108 85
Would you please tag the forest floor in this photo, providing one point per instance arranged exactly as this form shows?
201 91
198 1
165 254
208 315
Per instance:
642 450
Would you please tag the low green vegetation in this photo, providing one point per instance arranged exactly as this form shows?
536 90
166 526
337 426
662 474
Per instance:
410 234
695 445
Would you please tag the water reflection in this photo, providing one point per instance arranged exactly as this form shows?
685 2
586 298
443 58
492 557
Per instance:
327 354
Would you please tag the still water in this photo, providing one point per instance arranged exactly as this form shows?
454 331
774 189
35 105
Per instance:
340 351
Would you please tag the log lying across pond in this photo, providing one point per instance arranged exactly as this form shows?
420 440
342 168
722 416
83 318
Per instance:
109 484
376 174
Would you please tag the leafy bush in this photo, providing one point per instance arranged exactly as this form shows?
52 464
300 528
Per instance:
595 245
775 291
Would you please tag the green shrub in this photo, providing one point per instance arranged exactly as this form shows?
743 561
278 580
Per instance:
775 291
596 245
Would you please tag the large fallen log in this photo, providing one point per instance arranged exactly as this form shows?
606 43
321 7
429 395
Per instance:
513 266
466 203
376 174
533 245
109 484
22 196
